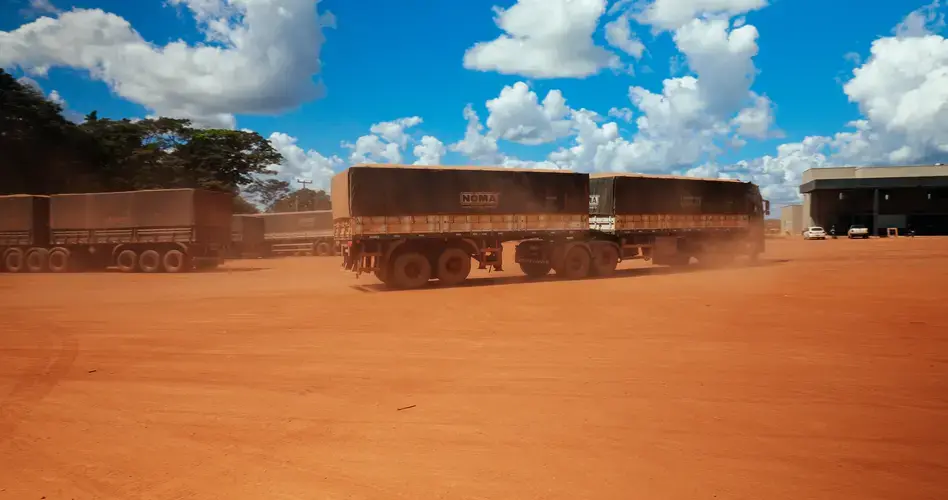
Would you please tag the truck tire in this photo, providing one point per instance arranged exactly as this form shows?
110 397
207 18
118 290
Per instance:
59 260
13 260
411 270
175 261
323 249
36 260
382 276
605 259
454 266
149 261
534 269
575 264
127 261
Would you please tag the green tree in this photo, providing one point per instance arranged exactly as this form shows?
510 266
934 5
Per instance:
40 151
226 159
268 191
242 206
303 200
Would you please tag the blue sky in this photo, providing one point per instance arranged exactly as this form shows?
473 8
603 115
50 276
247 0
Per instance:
386 60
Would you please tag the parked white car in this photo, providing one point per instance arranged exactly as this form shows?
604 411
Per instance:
814 233
857 231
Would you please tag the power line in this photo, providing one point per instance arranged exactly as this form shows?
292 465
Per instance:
304 182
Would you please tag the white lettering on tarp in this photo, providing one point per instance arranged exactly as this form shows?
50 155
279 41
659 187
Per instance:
593 201
480 200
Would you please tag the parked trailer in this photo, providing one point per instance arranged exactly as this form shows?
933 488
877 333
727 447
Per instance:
669 220
299 233
172 230
409 224
246 236
24 231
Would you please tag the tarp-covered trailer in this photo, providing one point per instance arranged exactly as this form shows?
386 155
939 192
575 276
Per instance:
172 230
24 232
246 236
299 233
675 218
408 224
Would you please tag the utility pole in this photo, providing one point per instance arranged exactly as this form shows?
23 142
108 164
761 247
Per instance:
304 182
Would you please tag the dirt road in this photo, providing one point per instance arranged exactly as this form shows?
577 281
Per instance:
821 373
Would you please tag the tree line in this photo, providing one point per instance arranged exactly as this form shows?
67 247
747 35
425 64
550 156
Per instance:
42 152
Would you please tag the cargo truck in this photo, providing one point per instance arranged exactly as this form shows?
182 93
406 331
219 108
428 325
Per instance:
246 236
299 233
170 230
669 220
411 224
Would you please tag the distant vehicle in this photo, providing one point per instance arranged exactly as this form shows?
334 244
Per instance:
149 231
298 233
858 231
814 233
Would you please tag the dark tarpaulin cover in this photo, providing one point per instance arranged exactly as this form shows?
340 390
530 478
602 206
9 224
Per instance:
21 213
317 221
387 191
157 208
247 228
631 195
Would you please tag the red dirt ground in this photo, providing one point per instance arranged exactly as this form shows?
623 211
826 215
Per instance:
821 373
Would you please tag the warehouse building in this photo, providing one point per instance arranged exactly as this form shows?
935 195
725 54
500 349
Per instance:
791 219
914 197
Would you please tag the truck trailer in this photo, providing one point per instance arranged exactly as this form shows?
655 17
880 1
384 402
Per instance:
171 230
671 220
299 233
246 236
410 224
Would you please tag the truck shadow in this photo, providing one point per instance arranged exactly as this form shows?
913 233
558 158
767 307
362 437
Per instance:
620 274
113 270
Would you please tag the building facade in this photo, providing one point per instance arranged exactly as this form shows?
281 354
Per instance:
914 197
791 219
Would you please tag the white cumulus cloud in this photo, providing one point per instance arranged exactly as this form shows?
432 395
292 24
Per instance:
385 142
902 92
516 115
299 163
544 39
261 56
429 151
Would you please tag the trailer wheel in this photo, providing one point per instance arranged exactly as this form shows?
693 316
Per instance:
605 260
13 260
454 266
534 269
36 260
149 261
382 276
59 260
323 249
575 264
175 261
127 261
411 270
